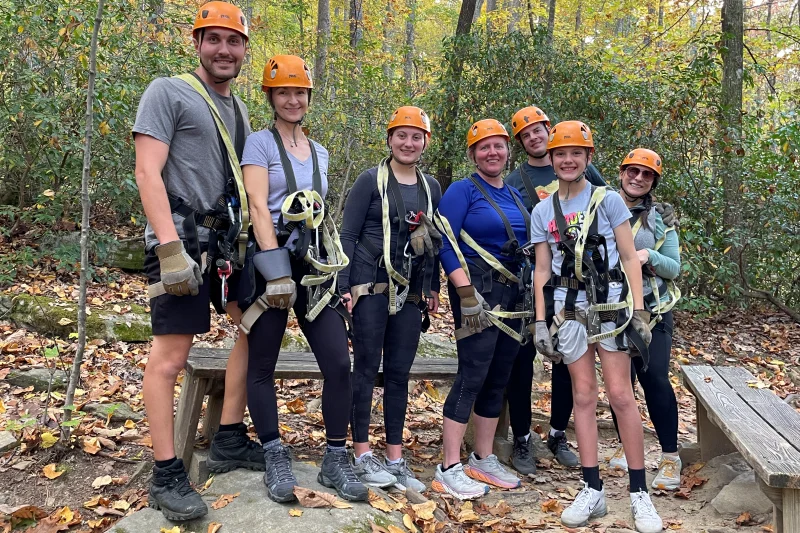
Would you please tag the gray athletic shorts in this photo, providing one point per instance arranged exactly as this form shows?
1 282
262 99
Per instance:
572 335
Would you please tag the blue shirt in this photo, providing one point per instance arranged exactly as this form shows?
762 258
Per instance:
465 207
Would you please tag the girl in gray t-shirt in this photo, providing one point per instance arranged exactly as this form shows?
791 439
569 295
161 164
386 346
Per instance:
571 146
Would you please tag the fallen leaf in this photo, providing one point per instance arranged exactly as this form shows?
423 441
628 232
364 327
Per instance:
65 515
224 500
23 512
121 505
395 529
295 512
316 500
744 519
467 513
409 523
101 481
175 529
551 506
48 439
130 424
424 510
2 407
379 503
501 509
91 445
48 525
377 529
65 322
50 471
297 405
213 527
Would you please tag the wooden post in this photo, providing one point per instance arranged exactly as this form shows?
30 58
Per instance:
213 409
712 440
791 510
187 417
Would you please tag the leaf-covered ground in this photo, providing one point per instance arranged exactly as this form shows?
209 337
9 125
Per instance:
102 474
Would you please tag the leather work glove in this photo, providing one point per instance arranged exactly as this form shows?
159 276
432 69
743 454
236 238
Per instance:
276 268
641 324
426 238
667 213
473 309
544 342
180 275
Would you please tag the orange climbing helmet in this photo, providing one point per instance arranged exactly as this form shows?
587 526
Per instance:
409 115
570 133
482 129
221 15
645 157
527 116
286 71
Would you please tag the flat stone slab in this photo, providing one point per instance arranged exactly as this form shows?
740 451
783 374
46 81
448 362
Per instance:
7 441
253 511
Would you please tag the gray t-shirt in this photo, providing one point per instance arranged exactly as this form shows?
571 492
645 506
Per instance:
174 113
261 150
611 213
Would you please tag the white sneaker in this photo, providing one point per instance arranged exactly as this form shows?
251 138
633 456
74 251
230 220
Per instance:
371 472
618 460
588 504
645 516
489 470
669 473
455 482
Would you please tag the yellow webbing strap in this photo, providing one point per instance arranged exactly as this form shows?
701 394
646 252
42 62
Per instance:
496 315
580 244
336 258
233 161
383 190
672 288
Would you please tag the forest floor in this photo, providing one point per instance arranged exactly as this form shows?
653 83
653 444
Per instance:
103 473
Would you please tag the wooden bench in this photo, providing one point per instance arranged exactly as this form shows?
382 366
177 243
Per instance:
205 376
733 416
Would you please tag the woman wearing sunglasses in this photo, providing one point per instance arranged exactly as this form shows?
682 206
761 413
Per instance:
659 254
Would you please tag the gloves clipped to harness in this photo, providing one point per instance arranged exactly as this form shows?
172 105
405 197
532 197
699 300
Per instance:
667 213
641 324
426 238
276 268
544 342
180 274
473 309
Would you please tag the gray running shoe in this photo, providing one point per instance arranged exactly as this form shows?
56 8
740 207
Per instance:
588 504
521 457
279 478
337 473
489 470
669 473
234 449
171 493
456 483
371 472
560 449
618 461
405 477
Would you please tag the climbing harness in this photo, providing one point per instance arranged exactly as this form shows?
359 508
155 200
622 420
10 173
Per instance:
228 222
488 263
658 285
311 236
398 288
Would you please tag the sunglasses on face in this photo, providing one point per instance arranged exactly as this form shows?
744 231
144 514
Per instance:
647 175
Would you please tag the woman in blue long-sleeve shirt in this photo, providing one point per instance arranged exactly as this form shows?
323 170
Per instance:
485 222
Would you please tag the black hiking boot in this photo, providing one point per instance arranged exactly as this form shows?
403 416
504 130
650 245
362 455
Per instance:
337 473
171 493
234 449
279 478
522 459
558 445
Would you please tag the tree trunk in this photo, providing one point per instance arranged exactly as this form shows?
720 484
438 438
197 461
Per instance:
551 21
444 169
75 374
386 45
578 17
408 63
323 37
514 12
531 20
476 12
356 22
730 117
491 7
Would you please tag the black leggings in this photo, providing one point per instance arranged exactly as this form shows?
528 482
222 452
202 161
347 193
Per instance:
327 336
485 360
519 393
396 337
658 392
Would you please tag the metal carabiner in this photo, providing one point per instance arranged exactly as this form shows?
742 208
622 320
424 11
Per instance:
224 270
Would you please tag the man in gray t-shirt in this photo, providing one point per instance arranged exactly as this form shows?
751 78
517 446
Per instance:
178 156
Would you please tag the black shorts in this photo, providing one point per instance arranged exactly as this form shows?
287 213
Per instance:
186 315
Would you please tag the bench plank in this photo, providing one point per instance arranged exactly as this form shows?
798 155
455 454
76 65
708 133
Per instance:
776 461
